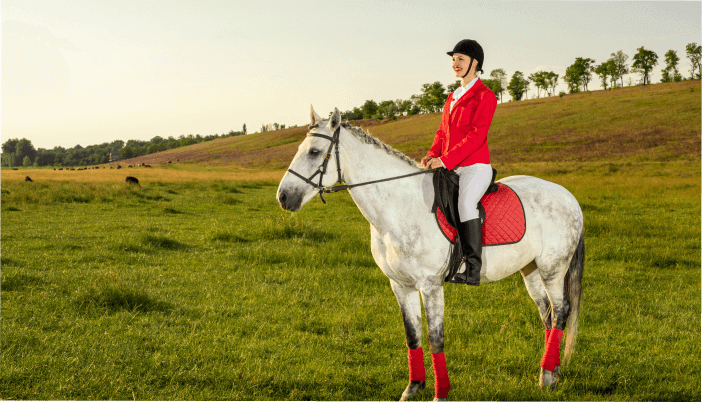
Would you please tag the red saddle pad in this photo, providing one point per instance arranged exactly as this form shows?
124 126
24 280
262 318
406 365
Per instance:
504 218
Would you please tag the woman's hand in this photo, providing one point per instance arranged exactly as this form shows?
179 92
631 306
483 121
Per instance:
435 163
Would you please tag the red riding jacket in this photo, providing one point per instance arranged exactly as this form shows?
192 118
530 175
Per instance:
461 139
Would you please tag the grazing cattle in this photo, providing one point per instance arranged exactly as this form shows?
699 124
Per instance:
129 166
169 162
131 180
60 168
119 166
177 160
145 165
27 178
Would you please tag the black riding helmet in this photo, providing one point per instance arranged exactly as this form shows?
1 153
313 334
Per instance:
472 49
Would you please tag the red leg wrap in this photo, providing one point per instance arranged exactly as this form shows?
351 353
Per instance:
416 364
442 384
552 356
547 333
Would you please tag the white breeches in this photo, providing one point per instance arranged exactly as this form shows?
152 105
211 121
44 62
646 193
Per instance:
472 183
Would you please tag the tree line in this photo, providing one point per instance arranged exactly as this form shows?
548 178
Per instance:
577 77
21 152
611 72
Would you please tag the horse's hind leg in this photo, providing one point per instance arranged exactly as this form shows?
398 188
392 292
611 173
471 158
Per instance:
553 280
537 291
411 308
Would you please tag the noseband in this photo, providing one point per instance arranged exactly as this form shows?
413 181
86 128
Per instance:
321 170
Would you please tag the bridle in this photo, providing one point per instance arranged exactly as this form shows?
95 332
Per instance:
322 169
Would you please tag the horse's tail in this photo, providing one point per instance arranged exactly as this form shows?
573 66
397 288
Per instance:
573 290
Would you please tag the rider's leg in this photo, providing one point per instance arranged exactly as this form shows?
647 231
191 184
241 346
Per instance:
473 182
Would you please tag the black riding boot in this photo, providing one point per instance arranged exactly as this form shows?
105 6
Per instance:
472 245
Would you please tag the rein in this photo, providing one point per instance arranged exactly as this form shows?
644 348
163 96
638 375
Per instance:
322 169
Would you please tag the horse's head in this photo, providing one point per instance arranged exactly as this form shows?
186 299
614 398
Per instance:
308 170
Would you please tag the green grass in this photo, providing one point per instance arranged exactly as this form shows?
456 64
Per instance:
208 290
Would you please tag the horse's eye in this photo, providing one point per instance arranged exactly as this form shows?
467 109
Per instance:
314 152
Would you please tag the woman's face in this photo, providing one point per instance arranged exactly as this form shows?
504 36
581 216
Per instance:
460 64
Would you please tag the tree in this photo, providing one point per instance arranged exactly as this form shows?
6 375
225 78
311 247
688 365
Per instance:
9 148
369 109
572 79
243 129
579 73
620 66
552 81
539 80
387 109
670 72
354 114
585 67
501 76
604 71
403 106
526 83
26 161
432 99
516 86
644 61
694 53
24 149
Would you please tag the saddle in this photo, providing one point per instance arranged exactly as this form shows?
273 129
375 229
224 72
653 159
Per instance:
501 214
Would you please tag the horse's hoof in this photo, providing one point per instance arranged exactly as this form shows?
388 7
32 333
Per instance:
549 379
413 389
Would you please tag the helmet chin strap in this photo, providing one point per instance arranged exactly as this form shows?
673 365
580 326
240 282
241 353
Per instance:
470 66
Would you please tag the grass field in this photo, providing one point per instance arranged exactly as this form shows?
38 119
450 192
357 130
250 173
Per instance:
169 173
196 285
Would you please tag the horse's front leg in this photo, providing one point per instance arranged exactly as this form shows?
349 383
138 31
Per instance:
433 296
411 308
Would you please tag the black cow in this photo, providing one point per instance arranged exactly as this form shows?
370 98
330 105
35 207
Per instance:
131 180
27 178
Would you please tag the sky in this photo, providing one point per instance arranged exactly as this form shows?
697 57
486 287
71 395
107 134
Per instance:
90 72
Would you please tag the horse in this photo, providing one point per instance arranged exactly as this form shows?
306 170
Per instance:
411 250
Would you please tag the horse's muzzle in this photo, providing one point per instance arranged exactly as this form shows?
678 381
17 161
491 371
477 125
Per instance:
289 201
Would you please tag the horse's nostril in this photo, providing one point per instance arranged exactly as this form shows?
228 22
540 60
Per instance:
282 197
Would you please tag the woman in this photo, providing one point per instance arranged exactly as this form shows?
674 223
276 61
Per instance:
461 143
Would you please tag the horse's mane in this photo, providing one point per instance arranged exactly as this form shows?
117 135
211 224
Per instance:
369 139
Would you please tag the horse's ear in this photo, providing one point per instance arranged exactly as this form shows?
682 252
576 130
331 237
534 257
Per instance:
335 119
314 117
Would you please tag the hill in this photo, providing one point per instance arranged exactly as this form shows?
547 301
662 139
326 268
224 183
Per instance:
659 122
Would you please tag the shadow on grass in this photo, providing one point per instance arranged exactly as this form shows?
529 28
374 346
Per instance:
161 242
19 282
4 261
115 299
290 228
172 211
149 242
230 201
225 187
